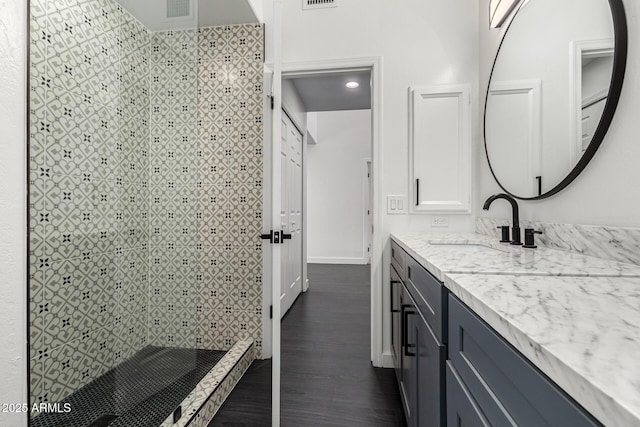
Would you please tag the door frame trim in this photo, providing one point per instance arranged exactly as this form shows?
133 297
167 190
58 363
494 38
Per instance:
374 64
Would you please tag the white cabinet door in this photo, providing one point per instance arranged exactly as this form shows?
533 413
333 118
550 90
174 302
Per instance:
440 149
517 103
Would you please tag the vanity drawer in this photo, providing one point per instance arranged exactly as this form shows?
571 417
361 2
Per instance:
505 385
430 296
462 409
399 260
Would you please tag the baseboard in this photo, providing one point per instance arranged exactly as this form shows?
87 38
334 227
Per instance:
332 260
387 360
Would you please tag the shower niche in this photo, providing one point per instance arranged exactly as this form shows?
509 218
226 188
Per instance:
145 204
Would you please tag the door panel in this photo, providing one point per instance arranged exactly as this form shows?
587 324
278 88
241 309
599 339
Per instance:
284 211
395 286
429 358
291 212
407 353
462 409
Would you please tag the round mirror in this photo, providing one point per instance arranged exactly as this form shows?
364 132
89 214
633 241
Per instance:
553 91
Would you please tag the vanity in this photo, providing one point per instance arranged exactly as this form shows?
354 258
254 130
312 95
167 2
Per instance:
490 331
487 334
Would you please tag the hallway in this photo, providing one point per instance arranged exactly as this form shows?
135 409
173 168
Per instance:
327 378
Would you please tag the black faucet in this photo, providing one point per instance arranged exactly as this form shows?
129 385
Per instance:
515 231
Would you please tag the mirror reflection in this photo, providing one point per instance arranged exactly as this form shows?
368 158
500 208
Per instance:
548 90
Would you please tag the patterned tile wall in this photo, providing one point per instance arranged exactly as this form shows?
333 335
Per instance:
206 187
173 192
146 189
89 173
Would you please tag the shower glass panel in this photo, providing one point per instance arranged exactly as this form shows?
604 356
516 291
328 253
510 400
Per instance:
145 201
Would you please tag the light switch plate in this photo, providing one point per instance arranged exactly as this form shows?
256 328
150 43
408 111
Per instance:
397 204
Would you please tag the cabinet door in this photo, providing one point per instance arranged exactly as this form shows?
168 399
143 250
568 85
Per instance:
395 286
440 149
508 388
462 410
430 360
409 367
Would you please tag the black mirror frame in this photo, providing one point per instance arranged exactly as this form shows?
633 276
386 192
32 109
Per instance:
617 79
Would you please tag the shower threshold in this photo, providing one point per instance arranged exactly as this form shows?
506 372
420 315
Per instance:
140 392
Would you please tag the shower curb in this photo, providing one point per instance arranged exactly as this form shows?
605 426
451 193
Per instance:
200 406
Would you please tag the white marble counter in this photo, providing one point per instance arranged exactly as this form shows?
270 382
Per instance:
583 332
508 260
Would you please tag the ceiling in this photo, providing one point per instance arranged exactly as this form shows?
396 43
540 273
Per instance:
207 13
225 12
327 92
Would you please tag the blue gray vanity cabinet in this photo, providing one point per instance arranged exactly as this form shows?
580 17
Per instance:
395 289
421 353
462 410
423 358
399 260
491 383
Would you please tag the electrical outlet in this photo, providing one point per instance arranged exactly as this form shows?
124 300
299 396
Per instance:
440 221
396 204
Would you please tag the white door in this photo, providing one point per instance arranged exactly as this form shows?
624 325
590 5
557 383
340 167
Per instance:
291 213
275 250
368 231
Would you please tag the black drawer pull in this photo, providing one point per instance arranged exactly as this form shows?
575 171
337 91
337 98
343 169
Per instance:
405 329
393 282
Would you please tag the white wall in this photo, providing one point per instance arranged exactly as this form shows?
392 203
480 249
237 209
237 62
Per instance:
421 43
256 6
606 191
292 102
336 185
13 304
596 76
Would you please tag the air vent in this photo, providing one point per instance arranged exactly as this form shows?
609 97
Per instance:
318 4
178 8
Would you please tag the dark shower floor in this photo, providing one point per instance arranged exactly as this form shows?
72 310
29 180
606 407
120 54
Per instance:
141 392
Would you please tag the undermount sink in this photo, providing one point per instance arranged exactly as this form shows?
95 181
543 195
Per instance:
466 247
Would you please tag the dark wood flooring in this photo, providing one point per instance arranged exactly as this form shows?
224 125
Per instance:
327 378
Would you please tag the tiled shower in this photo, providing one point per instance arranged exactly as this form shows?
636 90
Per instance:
145 190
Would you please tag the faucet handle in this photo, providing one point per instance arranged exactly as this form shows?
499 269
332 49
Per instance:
505 234
529 238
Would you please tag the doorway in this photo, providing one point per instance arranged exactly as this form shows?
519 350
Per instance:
368 175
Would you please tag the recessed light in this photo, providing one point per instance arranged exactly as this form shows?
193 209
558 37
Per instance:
353 85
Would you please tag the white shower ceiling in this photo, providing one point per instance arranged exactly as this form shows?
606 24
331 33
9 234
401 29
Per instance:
207 13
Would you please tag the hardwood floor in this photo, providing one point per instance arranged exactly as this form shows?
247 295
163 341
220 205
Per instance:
327 378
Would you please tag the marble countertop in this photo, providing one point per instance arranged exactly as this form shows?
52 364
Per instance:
582 330
507 259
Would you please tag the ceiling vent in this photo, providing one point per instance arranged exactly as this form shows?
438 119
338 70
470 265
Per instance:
318 4
178 9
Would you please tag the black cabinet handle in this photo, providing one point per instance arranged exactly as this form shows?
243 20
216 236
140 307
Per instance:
403 322
418 192
539 178
405 331
393 282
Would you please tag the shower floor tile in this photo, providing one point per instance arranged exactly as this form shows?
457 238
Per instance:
140 392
